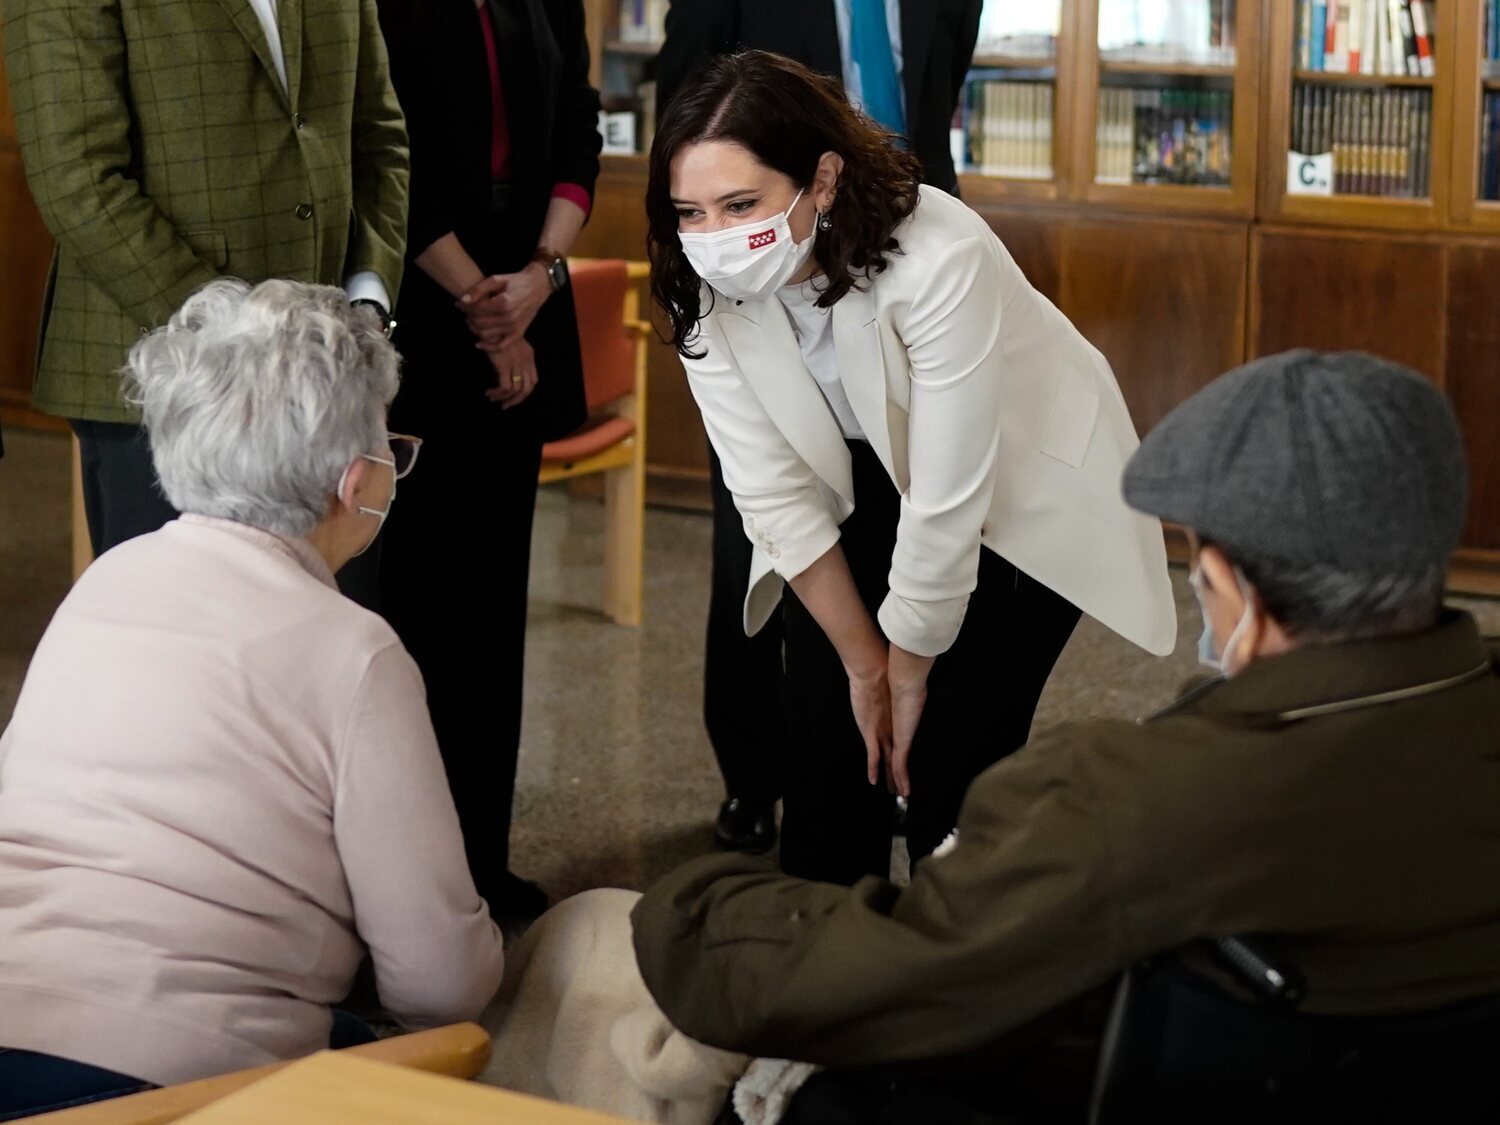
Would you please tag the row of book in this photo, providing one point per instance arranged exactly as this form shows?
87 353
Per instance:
1006 129
1381 140
1489 149
643 21
1391 37
1166 31
1164 136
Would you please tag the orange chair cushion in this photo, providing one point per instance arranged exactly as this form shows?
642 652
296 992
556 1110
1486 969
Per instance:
608 349
594 438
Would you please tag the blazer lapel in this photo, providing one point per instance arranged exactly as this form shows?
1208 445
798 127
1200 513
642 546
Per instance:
856 337
761 339
918 23
289 19
248 23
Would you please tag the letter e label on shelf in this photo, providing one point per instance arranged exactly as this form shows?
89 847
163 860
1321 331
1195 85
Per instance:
1309 175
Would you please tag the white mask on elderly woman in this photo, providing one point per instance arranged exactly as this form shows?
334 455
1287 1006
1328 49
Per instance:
379 513
751 261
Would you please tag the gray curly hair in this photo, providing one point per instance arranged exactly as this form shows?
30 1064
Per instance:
256 399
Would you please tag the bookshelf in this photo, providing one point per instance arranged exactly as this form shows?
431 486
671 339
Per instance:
1167 114
1011 129
1476 129
1360 126
625 36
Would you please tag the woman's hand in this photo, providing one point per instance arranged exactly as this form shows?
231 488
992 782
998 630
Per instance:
906 676
500 308
515 373
870 697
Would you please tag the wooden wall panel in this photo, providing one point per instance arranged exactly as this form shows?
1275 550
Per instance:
1472 377
25 250
1164 302
1374 293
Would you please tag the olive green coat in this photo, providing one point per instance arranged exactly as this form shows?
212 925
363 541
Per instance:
163 151
1360 830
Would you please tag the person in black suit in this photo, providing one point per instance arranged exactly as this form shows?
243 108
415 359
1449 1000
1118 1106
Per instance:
931 46
505 155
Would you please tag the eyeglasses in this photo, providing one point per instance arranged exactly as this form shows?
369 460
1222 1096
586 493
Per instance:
404 450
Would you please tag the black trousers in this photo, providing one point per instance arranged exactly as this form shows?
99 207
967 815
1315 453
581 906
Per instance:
454 575
744 706
981 696
122 499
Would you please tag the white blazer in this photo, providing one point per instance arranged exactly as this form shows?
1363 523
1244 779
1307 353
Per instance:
999 423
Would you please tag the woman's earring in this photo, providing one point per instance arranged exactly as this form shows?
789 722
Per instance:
825 221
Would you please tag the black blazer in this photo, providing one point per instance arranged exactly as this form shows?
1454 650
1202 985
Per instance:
441 76
937 39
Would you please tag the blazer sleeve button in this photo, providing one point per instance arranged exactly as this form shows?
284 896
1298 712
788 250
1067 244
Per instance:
299 121
304 210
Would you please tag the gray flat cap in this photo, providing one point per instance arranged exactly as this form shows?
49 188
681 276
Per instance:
1306 457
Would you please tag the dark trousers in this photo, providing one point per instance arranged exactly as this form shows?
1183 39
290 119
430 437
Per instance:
32 1083
122 499
744 707
454 572
981 696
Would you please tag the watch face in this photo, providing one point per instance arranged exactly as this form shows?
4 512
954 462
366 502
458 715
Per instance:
558 271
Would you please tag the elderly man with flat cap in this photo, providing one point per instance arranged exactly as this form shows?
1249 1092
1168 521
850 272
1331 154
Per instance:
1334 789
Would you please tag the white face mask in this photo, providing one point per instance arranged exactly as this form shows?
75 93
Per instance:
751 261
379 513
1208 655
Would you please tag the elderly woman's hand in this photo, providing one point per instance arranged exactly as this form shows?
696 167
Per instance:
515 373
500 308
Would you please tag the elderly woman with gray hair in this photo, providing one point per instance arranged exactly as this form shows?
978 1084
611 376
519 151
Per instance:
220 786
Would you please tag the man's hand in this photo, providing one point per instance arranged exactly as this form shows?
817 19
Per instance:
907 676
500 308
515 374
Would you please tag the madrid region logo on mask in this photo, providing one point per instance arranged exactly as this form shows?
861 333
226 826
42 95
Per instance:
762 239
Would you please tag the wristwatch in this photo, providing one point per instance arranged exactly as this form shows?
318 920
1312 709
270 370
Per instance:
555 265
386 323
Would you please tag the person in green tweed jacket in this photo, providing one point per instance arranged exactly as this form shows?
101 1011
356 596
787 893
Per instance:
167 144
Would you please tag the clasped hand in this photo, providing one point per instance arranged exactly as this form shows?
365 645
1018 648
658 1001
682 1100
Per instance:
500 308
888 698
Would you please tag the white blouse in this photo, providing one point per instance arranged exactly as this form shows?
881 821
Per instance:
814 331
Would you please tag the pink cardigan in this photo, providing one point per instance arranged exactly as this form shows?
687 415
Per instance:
219 787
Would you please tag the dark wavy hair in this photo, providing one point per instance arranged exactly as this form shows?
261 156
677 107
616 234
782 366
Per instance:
787 117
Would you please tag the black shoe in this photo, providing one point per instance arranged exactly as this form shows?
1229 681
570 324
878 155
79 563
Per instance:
746 826
514 898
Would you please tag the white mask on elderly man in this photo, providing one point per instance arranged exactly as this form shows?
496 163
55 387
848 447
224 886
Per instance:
751 261
1208 653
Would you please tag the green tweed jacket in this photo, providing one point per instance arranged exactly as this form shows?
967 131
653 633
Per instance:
164 151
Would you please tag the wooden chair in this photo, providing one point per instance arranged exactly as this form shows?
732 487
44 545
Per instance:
460 1050
613 442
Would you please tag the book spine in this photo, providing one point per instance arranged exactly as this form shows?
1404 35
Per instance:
1409 39
1318 44
1356 35
1423 40
1397 40
1304 33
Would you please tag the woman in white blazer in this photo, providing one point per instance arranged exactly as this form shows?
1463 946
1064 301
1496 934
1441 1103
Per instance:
921 446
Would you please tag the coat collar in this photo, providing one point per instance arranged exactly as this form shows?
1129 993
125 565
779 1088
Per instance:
299 550
289 22
1309 682
760 337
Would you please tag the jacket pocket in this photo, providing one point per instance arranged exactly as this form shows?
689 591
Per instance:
210 245
1069 427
